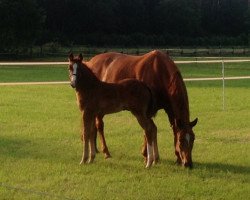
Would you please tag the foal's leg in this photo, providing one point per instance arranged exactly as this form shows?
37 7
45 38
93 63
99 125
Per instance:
100 127
156 151
144 149
150 133
87 121
92 143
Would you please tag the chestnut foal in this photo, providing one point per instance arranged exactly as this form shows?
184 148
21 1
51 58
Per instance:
97 98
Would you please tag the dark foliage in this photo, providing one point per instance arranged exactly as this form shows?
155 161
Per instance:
25 23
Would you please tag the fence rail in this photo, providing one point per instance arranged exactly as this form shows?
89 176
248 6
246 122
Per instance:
177 62
55 50
223 78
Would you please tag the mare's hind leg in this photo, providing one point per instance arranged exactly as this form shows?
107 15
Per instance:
100 127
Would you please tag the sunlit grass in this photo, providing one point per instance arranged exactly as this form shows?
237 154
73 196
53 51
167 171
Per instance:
40 148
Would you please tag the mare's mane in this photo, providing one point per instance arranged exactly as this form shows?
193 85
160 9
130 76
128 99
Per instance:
178 94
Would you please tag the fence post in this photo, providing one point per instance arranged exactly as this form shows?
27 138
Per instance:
223 84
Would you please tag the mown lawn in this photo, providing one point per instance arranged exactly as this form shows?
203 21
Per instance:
40 148
33 73
60 73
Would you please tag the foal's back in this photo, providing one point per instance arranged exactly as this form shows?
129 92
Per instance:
128 94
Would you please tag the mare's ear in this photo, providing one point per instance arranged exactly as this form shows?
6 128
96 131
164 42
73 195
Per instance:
71 57
80 57
193 123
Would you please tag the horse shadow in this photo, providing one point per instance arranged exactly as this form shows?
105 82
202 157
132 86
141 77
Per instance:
222 167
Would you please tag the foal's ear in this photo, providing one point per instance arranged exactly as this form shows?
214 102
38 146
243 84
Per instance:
71 56
193 123
80 57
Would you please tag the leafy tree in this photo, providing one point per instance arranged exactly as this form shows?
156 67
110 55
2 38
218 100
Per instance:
21 23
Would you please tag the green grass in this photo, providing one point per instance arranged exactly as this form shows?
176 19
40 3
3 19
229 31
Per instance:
214 69
33 73
40 148
60 72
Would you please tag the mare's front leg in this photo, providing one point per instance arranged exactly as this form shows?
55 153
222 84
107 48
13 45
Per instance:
178 160
88 123
100 127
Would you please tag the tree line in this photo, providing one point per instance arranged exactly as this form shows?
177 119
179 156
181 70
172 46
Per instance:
26 23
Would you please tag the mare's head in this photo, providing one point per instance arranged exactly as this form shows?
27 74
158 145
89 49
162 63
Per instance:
79 74
184 142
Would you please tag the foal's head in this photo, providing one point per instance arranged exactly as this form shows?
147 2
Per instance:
74 63
79 74
184 142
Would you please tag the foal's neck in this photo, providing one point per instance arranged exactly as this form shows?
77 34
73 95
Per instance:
88 80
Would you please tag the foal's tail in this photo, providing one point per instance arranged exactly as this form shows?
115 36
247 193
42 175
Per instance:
152 106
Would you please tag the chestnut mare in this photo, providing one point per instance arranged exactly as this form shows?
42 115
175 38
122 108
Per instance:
160 73
97 98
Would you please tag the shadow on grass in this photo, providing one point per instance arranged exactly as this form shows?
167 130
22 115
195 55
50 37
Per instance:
19 148
223 167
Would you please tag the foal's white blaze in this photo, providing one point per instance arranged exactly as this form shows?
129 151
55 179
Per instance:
150 154
188 138
73 77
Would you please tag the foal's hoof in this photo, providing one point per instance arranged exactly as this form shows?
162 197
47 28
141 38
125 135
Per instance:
83 161
91 160
149 164
107 156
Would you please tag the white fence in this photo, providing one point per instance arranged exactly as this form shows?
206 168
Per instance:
223 78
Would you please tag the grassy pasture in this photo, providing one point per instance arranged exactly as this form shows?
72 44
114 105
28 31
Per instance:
40 146
33 73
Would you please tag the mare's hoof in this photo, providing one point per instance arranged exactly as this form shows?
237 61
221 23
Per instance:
178 162
189 166
156 161
97 151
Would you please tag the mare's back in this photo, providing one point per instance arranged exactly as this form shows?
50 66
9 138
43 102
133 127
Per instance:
153 68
